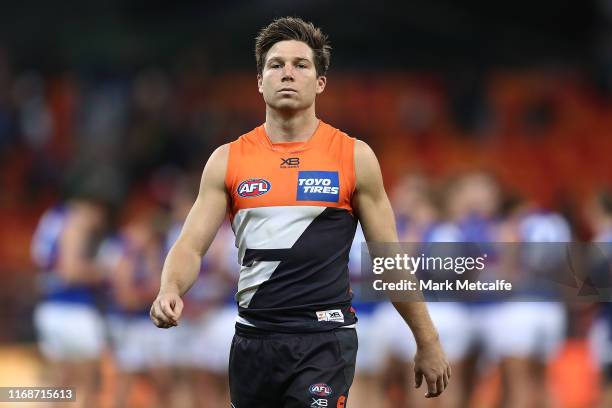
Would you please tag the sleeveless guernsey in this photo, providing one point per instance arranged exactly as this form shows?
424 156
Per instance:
290 209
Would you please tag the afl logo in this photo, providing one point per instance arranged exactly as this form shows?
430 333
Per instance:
320 390
253 187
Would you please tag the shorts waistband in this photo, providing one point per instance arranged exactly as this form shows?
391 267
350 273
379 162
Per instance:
256 332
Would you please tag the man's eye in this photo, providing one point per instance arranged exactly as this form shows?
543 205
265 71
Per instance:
301 65
275 66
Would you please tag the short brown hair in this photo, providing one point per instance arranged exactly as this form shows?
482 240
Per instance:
293 28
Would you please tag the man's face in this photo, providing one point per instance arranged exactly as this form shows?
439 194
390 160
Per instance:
289 79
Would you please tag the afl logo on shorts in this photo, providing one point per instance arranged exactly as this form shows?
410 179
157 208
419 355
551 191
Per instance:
320 390
253 187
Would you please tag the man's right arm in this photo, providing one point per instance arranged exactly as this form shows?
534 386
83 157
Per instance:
183 261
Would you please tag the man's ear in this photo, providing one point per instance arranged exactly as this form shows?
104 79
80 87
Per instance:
260 83
321 82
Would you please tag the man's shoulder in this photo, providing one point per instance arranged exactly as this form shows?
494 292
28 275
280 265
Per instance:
248 137
335 132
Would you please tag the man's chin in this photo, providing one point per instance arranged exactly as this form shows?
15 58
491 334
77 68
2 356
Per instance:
287 106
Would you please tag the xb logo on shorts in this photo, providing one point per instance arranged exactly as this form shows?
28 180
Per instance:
253 187
320 390
318 186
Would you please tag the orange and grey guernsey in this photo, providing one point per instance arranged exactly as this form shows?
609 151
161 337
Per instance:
291 212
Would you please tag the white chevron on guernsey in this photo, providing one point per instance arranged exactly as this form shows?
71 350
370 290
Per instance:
267 228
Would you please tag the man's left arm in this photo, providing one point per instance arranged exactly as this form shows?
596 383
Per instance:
374 211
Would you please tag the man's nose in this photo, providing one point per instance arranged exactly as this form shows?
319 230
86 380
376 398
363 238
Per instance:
287 73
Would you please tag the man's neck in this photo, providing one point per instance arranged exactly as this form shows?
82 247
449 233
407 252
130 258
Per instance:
290 127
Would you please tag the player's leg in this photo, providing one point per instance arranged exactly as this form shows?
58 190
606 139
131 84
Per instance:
256 370
606 392
162 383
122 389
553 321
396 348
323 369
129 352
145 353
525 336
175 353
71 336
516 380
368 383
211 353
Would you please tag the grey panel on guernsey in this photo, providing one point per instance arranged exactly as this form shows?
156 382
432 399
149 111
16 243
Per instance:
267 228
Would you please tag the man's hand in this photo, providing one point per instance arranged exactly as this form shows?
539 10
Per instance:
166 310
376 217
430 362
184 259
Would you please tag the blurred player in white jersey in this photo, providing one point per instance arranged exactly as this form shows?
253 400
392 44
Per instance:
530 326
69 326
470 213
139 350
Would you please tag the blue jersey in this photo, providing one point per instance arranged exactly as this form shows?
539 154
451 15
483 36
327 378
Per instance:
120 247
543 235
472 236
547 232
46 251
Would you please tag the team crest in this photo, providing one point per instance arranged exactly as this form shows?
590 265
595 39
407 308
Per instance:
253 187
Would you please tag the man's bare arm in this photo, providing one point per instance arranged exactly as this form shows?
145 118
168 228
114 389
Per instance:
203 221
378 223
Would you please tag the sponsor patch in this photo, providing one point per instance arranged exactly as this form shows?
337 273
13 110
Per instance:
318 402
341 402
320 390
318 186
253 187
330 316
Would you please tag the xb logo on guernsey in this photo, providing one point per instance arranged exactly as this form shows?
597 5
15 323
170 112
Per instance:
290 163
318 186
253 188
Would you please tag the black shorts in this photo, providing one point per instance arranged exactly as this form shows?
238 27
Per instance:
287 370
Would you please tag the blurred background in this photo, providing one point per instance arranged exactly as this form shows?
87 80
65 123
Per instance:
109 111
